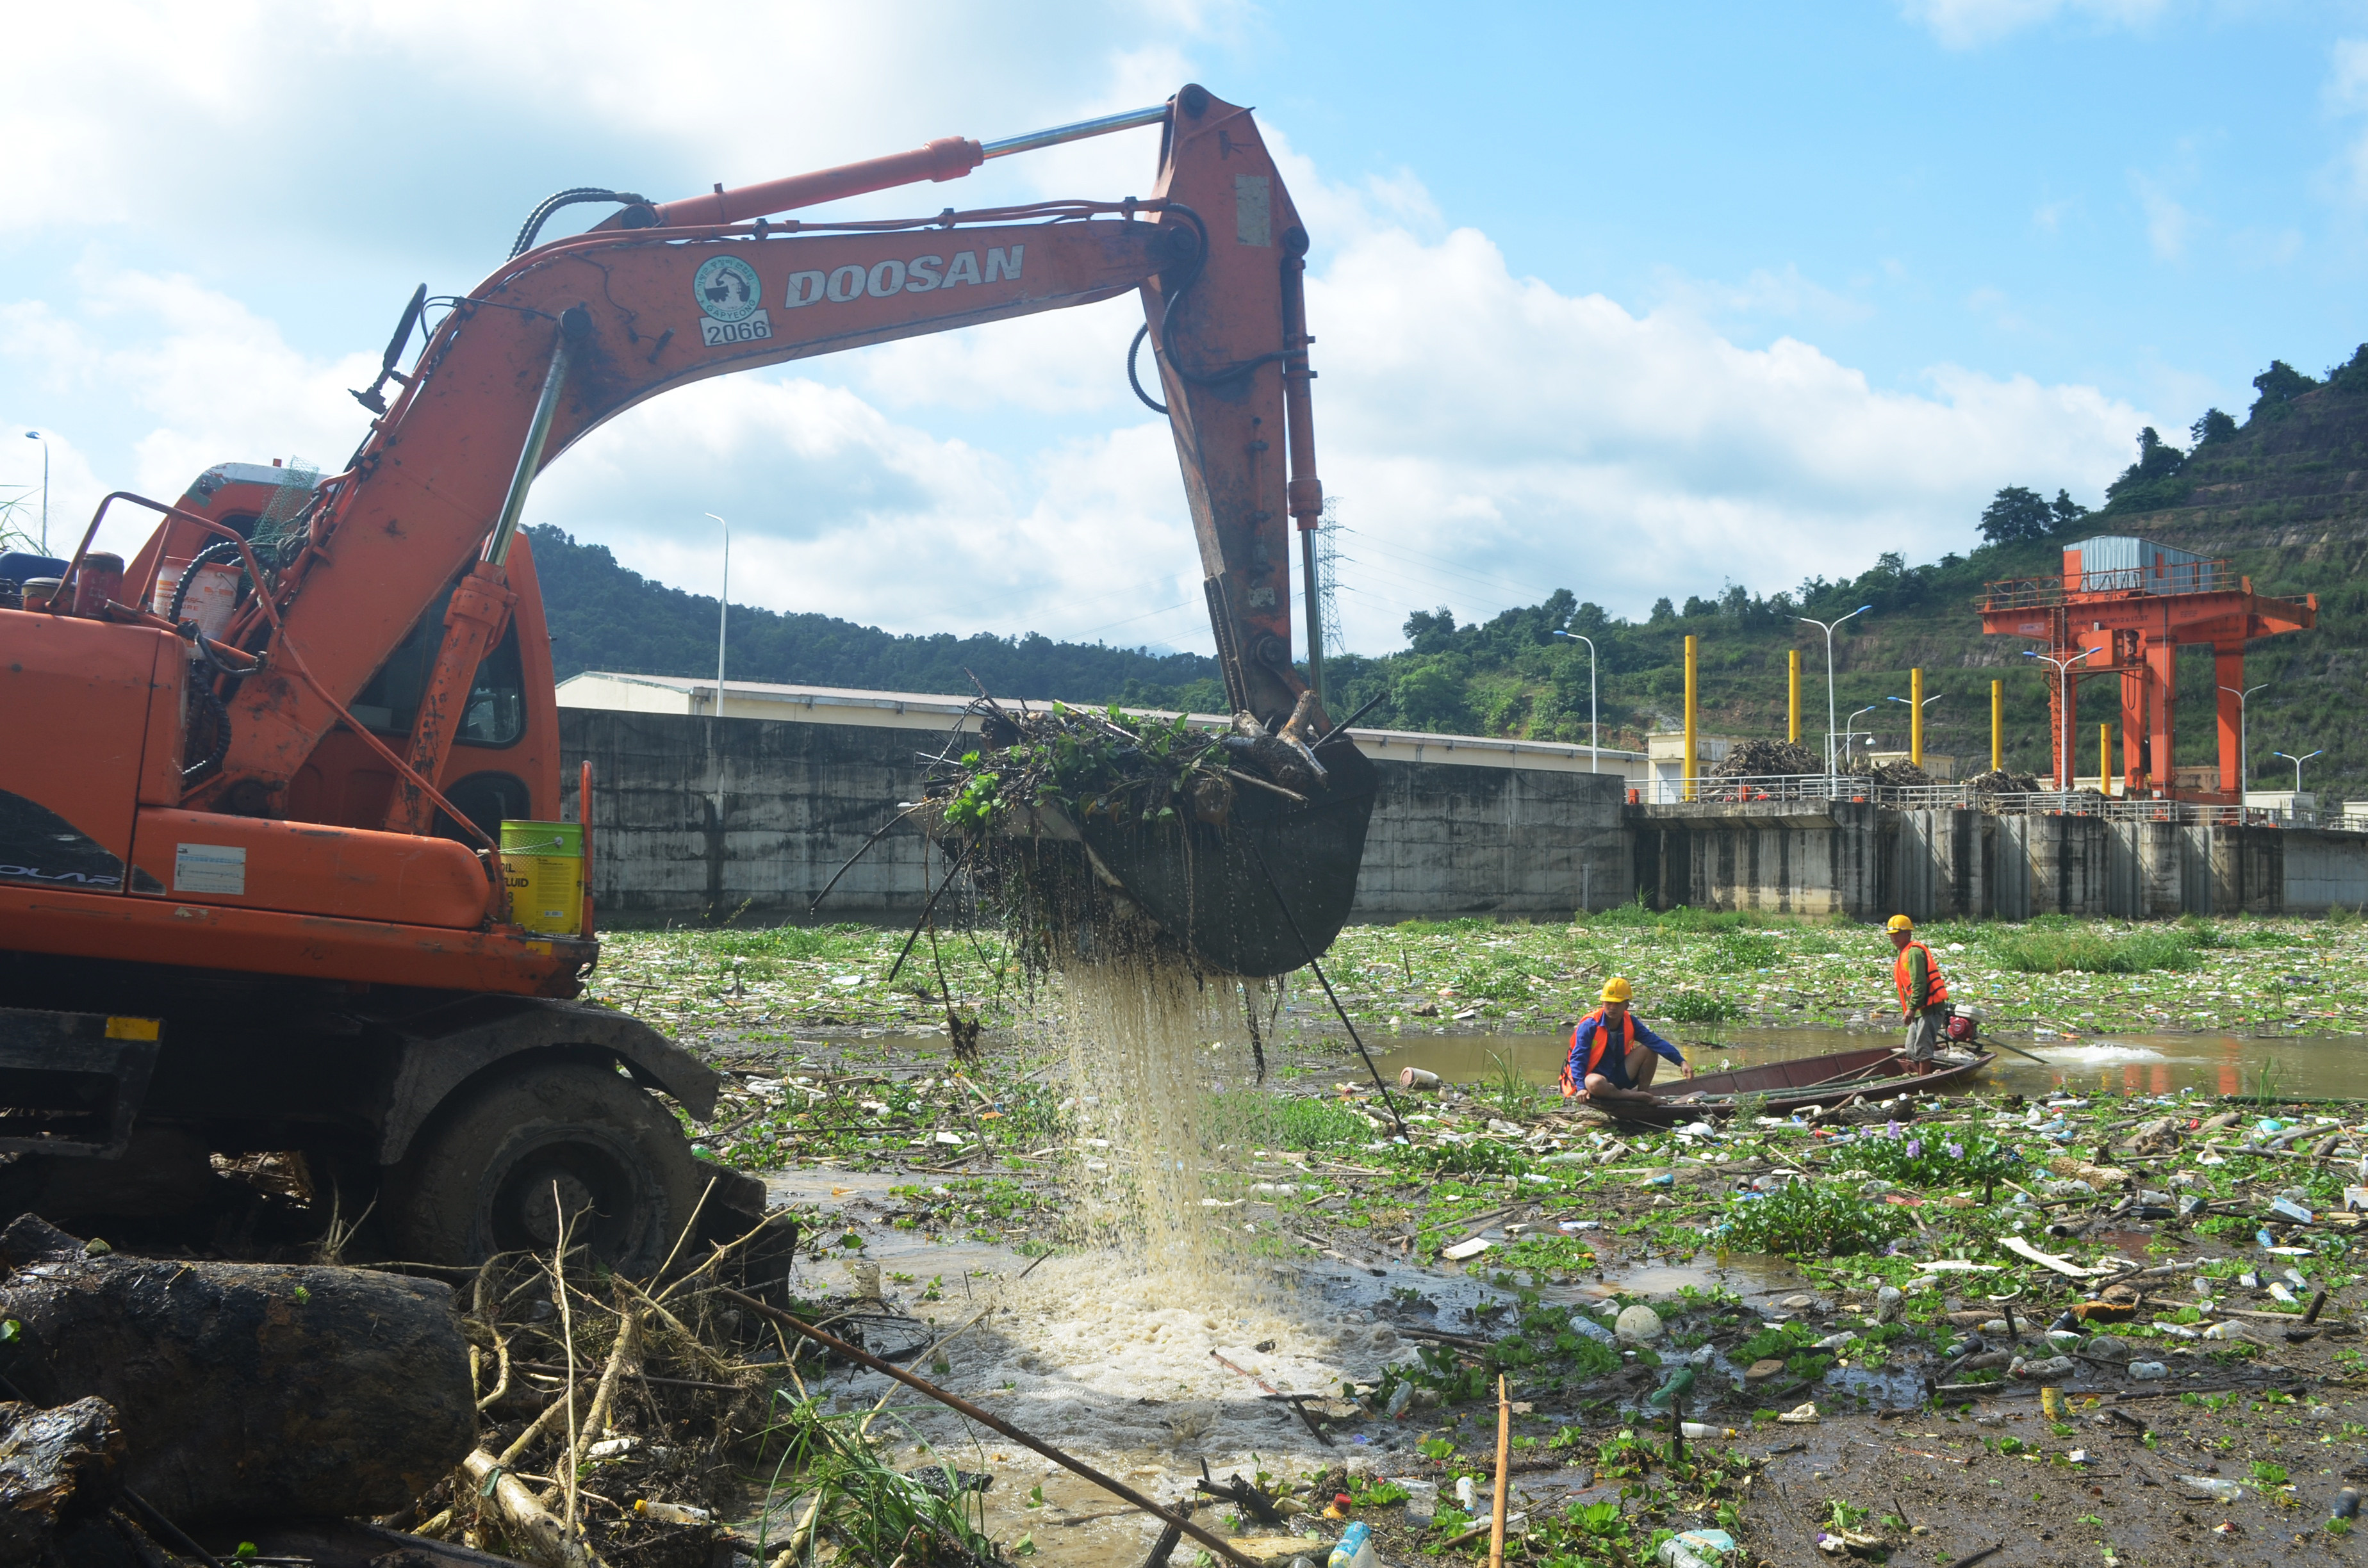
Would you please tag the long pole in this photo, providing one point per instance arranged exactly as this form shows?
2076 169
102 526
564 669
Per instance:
1998 725
1594 731
722 622
2244 758
1830 710
1181 1522
37 436
2298 761
2064 706
1687 788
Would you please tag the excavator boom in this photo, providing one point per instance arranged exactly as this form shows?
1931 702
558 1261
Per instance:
569 335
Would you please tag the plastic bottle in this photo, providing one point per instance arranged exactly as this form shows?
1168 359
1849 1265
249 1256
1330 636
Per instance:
670 1513
2214 1488
1697 1549
1355 1548
2148 1371
1698 1432
1679 1383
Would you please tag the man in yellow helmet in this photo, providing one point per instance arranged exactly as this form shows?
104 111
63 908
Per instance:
1923 994
1612 1056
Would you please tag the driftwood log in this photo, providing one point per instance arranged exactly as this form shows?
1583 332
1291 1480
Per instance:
56 1467
247 1391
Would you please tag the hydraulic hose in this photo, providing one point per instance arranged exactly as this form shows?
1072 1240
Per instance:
568 198
204 692
1232 372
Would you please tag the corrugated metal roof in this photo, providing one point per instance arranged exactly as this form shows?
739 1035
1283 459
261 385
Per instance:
2124 563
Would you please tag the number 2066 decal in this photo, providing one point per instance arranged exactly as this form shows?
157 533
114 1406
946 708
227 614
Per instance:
752 329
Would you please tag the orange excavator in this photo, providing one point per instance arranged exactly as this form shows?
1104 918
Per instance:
253 896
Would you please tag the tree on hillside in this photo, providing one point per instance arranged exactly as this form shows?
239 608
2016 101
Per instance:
2152 483
1431 630
2279 385
2068 511
2351 378
2214 427
2016 515
1663 611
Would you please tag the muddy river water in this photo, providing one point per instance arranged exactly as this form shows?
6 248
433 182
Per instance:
2330 1066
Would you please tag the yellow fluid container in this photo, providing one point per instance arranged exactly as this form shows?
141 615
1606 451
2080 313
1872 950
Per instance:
542 864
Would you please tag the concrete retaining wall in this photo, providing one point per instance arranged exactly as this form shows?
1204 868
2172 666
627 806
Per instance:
1448 839
1868 861
799 798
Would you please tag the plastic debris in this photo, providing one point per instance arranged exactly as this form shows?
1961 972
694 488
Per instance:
1802 1415
1697 1549
1638 1324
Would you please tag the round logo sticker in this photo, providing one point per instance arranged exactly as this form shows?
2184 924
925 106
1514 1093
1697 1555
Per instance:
726 289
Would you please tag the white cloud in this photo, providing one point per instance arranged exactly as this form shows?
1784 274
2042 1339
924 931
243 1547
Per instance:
1492 438
1558 441
1969 23
211 380
837 509
2170 225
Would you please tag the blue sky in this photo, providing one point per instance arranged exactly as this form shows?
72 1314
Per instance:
1629 300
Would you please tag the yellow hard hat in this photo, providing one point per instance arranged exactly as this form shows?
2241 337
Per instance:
1614 990
1899 923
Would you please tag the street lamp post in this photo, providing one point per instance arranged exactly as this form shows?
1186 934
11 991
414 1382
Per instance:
723 619
2064 704
2244 758
1829 626
37 436
1594 735
2298 761
1850 731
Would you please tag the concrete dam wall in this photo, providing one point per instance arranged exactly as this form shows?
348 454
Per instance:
798 799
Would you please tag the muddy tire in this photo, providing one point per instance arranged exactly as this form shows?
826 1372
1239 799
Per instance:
496 1171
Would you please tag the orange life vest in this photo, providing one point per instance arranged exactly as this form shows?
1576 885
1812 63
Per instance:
1938 987
1572 1087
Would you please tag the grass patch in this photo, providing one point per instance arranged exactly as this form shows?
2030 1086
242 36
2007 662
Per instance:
1803 1219
1701 1007
2054 951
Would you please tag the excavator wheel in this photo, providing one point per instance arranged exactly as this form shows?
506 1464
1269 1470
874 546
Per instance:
554 1141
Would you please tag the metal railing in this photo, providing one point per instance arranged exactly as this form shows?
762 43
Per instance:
1859 789
2176 577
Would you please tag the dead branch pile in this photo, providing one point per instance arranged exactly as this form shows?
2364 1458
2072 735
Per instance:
1108 766
2002 781
1762 759
1895 774
622 1420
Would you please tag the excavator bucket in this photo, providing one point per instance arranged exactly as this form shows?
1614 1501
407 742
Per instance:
1263 895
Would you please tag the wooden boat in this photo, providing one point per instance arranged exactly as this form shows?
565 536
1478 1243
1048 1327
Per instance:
1878 1073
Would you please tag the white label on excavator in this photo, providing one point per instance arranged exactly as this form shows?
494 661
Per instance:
1254 210
755 329
726 289
209 868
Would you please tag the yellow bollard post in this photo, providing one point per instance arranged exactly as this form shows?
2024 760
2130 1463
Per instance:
1915 717
1998 725
2105 759
1689 760
1793 700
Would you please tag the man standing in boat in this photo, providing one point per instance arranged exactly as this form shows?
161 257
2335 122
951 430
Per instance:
1923 994
1612 1056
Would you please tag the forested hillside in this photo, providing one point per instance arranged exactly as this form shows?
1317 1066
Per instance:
606 618
2283 493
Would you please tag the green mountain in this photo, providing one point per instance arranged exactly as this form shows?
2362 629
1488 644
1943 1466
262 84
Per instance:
2284 495
606 618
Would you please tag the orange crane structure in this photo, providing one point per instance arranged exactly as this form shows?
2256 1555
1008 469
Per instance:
2122 609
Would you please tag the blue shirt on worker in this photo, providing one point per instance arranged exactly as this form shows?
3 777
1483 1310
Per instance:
1614 1064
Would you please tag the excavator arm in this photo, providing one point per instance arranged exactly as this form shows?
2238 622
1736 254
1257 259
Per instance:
570 334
